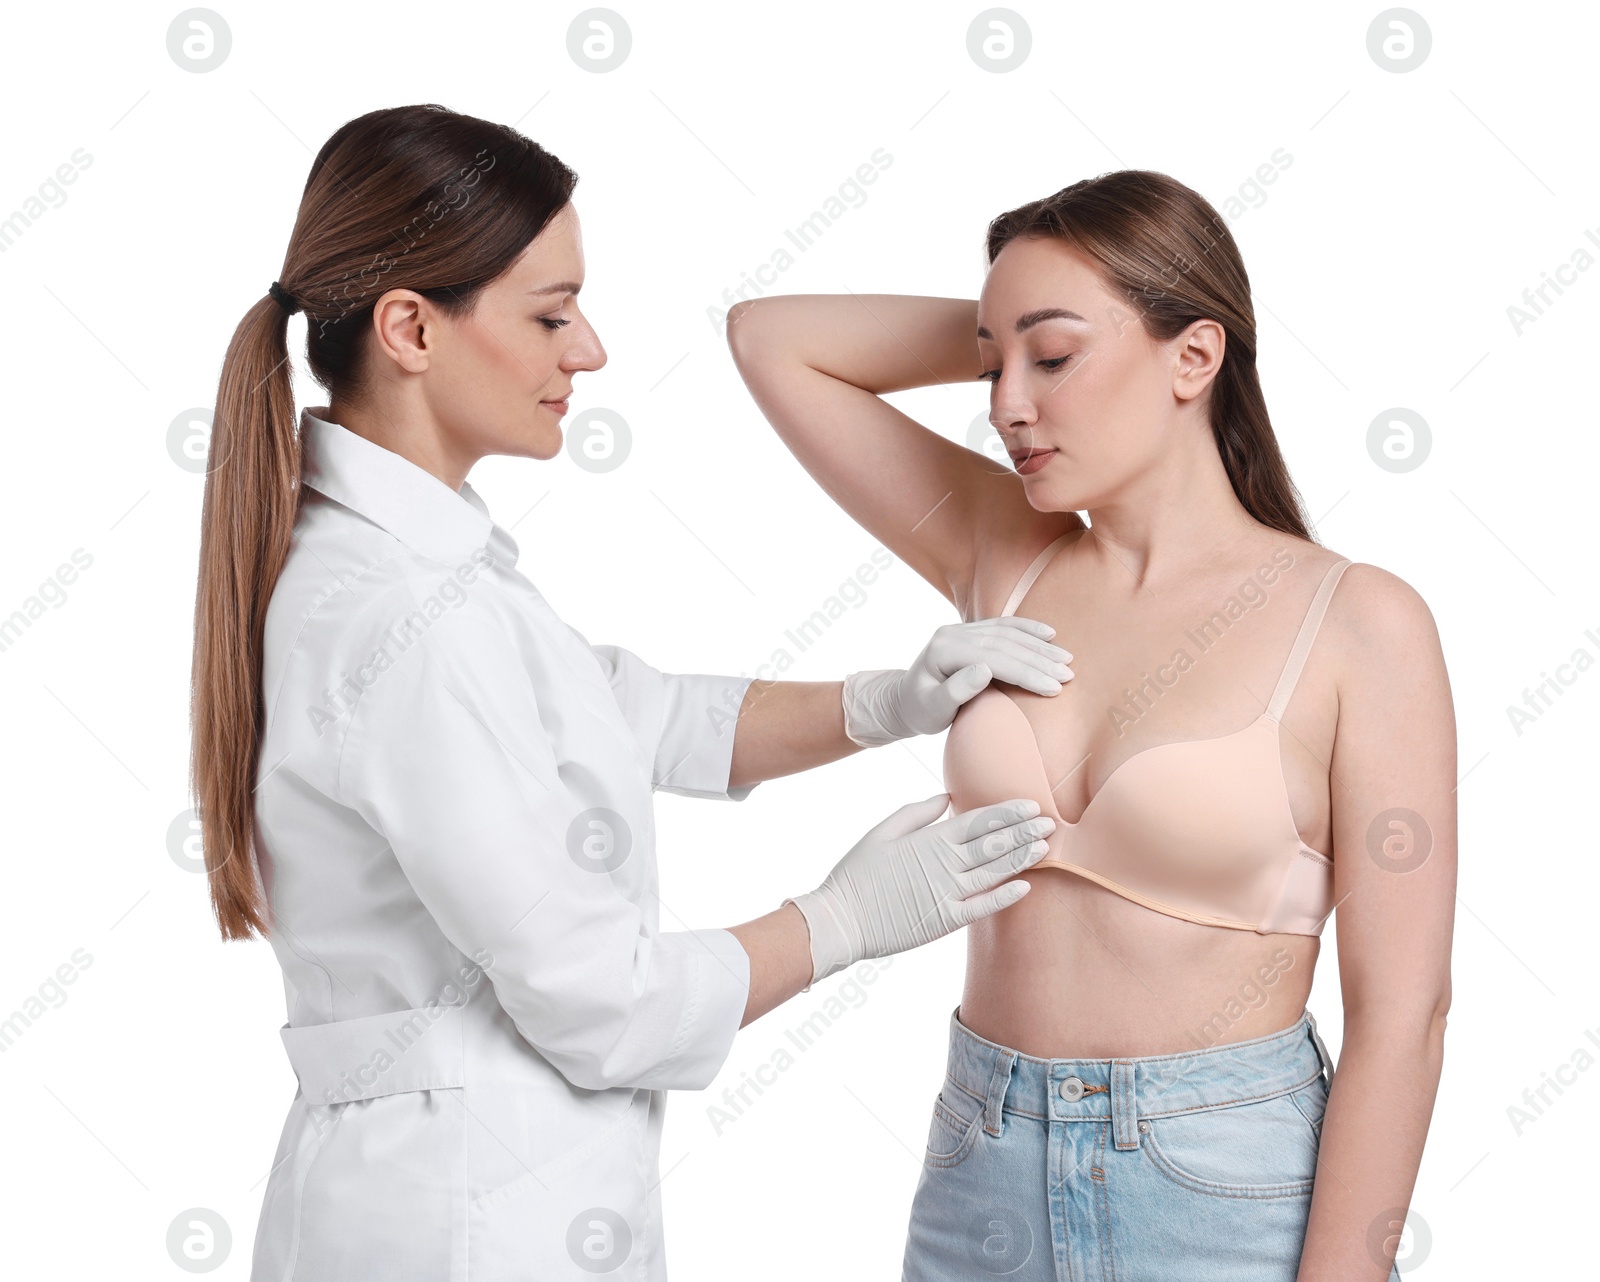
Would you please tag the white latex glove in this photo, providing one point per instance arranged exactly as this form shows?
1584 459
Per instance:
910 880
885 704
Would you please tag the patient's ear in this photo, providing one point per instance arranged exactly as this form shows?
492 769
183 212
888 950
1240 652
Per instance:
1197 356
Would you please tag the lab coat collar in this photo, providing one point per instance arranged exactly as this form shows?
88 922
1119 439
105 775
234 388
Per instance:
391 491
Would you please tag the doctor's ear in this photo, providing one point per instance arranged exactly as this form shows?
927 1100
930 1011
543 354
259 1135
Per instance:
401 321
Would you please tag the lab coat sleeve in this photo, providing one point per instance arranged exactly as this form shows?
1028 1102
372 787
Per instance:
684 723
448 757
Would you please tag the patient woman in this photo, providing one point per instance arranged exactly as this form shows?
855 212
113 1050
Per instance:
1258 731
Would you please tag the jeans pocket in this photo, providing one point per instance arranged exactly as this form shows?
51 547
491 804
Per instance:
1263 1149
957 1118
1312 1101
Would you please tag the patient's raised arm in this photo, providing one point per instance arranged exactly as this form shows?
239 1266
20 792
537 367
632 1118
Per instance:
818 366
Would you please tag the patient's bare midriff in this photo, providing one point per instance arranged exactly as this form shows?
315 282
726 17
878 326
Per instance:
1074 970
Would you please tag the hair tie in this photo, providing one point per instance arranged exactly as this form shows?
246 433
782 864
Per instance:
285 299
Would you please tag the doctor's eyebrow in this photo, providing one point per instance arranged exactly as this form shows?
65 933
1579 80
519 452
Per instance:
564 287
1029 319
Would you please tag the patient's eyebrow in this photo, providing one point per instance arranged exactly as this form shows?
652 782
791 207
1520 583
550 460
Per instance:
563 287
1029 319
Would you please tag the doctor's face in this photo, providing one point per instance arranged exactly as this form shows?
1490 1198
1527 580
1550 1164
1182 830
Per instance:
499 377
1076 379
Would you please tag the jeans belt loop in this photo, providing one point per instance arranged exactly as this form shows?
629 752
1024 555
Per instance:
1124 1105
1322 1050
999 1080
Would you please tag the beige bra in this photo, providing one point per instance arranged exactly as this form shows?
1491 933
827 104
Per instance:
1199 829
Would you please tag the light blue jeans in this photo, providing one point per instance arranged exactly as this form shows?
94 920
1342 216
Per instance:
1194 1167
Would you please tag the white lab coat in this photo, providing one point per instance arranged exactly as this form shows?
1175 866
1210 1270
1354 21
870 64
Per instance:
455 831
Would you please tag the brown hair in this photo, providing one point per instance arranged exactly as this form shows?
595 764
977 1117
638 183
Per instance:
419 198
1165 249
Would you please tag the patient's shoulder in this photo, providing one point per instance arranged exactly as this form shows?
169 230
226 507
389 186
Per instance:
999 563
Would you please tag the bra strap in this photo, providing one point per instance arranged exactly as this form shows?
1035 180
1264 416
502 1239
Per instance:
1304 640
1032 573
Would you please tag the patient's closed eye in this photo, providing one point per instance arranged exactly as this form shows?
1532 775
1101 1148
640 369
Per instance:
1053 363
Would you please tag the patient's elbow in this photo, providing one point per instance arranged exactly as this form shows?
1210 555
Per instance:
741 326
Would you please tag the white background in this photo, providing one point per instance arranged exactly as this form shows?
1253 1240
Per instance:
1416 210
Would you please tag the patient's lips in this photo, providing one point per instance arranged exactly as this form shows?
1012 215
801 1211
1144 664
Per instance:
1030 461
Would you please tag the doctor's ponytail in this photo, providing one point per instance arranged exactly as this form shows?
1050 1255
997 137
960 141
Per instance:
415 197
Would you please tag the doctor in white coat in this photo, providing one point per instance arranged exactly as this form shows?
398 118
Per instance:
433 796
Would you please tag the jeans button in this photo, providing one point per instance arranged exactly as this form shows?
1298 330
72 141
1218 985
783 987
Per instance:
1072 1089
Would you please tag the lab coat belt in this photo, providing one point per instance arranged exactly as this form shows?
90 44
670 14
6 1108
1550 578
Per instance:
351 1059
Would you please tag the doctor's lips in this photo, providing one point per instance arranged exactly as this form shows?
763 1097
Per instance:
1029 461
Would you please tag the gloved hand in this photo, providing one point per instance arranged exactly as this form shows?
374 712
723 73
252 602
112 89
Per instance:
885 704
910 880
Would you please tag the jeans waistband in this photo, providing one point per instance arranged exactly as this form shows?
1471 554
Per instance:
1125 1089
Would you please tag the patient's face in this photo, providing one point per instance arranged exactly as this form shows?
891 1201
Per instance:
1090 386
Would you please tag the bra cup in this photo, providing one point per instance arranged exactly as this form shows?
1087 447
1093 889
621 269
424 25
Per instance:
1304 898
990 755
1197 824
1200 825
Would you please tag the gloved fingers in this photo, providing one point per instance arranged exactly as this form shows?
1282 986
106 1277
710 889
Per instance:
981 906
967 824
911 816
989 854
1031 634
1018 665
957 644
1014 655
1008 863
1034 633
963 684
